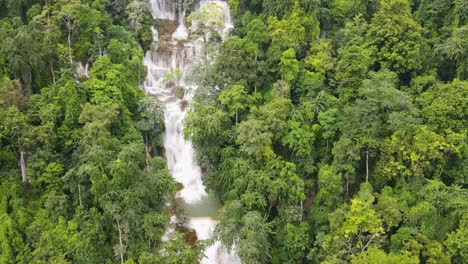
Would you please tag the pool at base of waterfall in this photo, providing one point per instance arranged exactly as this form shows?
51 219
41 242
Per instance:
206 207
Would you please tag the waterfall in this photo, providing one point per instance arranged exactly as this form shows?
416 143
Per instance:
82 70
163 9
227 14
165 57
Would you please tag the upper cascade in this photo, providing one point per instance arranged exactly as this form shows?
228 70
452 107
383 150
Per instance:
167 10
228 24
164 9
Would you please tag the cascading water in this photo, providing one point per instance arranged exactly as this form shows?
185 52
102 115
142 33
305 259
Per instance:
163 9
165 57
227 14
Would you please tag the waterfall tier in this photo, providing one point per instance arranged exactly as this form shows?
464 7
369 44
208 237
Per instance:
163 9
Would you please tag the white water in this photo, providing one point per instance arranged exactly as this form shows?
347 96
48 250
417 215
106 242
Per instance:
163 9
82 70
199 205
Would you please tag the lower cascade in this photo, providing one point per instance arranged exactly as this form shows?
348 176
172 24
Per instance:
168 63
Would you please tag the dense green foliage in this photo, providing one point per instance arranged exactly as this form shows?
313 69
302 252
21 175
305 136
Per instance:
337 131
92 188
334 131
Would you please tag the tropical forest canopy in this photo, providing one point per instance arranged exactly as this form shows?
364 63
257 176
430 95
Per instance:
333 131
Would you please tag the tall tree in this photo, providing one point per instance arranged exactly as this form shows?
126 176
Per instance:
397 37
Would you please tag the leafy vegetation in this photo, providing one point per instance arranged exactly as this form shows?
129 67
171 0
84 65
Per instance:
333 132
337 130
91 186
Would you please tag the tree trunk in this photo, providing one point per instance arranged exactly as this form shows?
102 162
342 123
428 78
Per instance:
302 212
367 165
326 151
69 46
99 46
52 71
22 164
69 41
256 66
120 242
237 116
79 195
443 165
148 154
50 43
68 23
310 196
347 189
